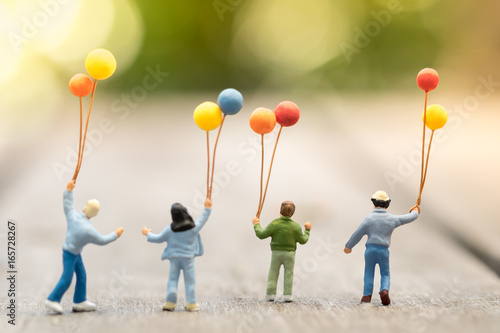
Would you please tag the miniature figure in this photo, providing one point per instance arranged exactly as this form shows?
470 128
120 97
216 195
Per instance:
378 226
285 233
80 232
183 244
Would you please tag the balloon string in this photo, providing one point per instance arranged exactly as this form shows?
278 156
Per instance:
208 166
261 176
270 168
423 152
422 183
427 162
213 159
86 128
80 139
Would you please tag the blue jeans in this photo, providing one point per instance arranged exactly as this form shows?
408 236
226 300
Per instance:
187 266
376 254
72 264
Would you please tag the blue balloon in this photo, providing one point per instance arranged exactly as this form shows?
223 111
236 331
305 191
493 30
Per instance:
230 101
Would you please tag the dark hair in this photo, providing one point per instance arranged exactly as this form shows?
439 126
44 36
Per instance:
381 203
181 220
287 208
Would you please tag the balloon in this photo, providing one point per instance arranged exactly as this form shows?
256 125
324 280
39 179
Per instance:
80 85
207 116
100 64
427 79
287 113
262 121
436 117
230 101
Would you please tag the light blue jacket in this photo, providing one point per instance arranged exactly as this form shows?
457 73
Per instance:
182 244
379 225
80 231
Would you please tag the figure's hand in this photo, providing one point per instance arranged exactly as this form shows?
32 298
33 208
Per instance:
70 186
208 203
119 231
347 251
308 225
145 231
255 220
417 208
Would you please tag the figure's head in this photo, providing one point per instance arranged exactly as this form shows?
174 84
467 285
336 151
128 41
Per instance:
287 208
181 220
91 208
381 200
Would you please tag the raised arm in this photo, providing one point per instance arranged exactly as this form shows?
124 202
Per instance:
68 198
262 234
204 216
407 218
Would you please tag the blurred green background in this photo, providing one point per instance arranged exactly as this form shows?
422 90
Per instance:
270 44
296 47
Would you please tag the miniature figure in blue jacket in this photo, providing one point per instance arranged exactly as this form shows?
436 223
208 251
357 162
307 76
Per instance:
378 226
80 232
183 244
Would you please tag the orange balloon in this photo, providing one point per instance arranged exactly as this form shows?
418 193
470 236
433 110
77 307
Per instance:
262 121
80 85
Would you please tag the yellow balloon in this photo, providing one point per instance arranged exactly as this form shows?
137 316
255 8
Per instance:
100 64
207 116
436 117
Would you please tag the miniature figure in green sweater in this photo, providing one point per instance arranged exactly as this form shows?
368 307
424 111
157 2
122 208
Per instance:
285 233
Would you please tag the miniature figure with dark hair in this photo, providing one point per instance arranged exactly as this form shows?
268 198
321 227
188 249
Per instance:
378 226
285 234
183 245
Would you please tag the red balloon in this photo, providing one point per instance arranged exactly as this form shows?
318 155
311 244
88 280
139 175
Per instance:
427 79
287 113
80 85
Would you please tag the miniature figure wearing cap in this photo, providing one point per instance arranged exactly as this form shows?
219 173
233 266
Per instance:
378 226
80 232
285 234
183 245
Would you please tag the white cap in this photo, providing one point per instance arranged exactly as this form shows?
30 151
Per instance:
381 196
91 208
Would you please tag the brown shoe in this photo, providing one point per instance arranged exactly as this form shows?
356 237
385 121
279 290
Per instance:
384 297
366 299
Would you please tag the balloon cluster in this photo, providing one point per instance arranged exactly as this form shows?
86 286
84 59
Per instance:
434 117
209 115
263 121
100 65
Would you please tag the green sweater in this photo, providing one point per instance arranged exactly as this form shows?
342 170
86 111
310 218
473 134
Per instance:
284 232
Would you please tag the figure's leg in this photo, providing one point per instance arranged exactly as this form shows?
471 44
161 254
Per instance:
81 281
385 277
370 262
65 280
190 281
173 280
385 273
288 264
272 278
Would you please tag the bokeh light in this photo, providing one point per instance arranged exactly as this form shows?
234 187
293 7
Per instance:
44 44
294 38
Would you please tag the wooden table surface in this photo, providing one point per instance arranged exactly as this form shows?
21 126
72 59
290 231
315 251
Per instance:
342 150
